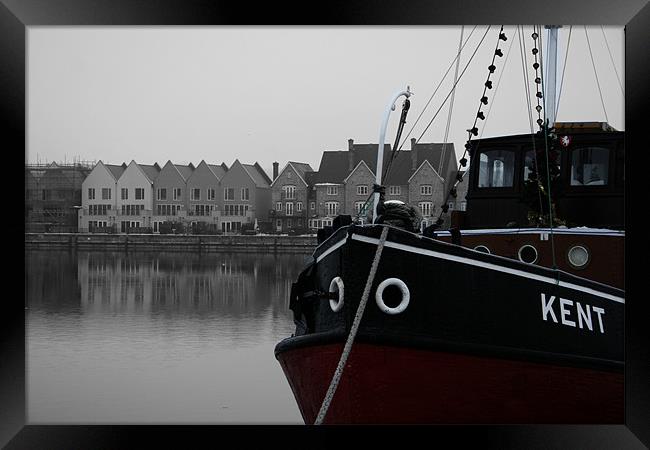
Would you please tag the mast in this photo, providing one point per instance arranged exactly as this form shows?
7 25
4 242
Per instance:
551 72
380 151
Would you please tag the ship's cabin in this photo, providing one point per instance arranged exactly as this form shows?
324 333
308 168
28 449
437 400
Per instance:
588 192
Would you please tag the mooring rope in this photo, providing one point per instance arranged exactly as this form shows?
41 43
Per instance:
353 332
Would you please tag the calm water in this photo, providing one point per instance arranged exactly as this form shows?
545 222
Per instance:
158 337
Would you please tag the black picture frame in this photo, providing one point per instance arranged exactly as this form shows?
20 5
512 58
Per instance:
17 15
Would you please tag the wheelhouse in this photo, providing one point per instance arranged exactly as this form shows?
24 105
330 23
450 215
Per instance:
588 190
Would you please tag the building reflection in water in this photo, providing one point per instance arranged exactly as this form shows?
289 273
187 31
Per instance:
237 285
114 337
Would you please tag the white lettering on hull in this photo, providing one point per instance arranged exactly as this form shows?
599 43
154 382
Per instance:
567 308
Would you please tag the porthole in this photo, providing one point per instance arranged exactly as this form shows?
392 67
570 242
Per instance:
482 248
578 256
528 254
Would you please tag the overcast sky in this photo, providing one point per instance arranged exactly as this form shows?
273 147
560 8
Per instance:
267 94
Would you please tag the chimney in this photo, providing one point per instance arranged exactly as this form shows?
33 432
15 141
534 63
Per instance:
350 154
414 154
275 170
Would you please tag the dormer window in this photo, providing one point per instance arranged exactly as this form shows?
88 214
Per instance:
496 169
589 166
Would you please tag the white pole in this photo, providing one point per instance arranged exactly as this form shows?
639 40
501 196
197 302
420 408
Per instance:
380 151
551 71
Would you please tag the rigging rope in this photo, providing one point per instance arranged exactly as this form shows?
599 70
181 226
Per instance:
566 57
444 206
451 103
612 60
353 331
596 74
452 88
438 87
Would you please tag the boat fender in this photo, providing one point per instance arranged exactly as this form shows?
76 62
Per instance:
406 296
336 285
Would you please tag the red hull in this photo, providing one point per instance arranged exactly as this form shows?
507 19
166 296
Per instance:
382 384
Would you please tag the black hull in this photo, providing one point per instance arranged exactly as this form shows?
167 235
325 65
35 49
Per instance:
461 301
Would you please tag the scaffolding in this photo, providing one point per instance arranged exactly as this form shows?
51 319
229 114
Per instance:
53 195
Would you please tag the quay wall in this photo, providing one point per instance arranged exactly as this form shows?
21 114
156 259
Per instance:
172 242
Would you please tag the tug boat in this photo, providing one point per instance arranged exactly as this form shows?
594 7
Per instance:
501 318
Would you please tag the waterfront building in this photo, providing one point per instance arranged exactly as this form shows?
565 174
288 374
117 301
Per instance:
246 198
53 196
290 197
98 210
135 197
343 184
169 202
203 194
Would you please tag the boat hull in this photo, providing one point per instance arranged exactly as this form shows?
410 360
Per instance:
483 339
384 384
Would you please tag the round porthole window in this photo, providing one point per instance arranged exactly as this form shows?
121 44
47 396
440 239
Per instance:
528 254
578 256
482 248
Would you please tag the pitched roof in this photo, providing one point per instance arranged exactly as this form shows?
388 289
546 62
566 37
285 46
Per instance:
218 170
151 171
117 171
258 175
301 168
335 166
185 171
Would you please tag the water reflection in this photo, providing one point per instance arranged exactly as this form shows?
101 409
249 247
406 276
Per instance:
158 337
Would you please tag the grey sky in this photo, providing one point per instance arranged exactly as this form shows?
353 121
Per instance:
284 93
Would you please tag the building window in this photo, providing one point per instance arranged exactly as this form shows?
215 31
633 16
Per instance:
299 207
176 193
91 193
278 206
426 208
332 208
589 166
332 190
426 189
312 205
496 169
394 190
451 206
362 190
358 206
106 193
139 193
229 194
125 193
245 194
211 193
162 194
289 209
195 194
289 192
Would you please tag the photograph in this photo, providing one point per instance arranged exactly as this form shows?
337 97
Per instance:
307 225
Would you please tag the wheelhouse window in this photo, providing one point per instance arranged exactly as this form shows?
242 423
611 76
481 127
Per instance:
496 169
589 166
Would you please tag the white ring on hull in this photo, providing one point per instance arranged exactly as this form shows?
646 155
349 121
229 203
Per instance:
406 296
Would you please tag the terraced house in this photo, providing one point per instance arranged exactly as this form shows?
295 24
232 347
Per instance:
99 198
169 194
204 192
345 179
290 192
246 198
135 196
